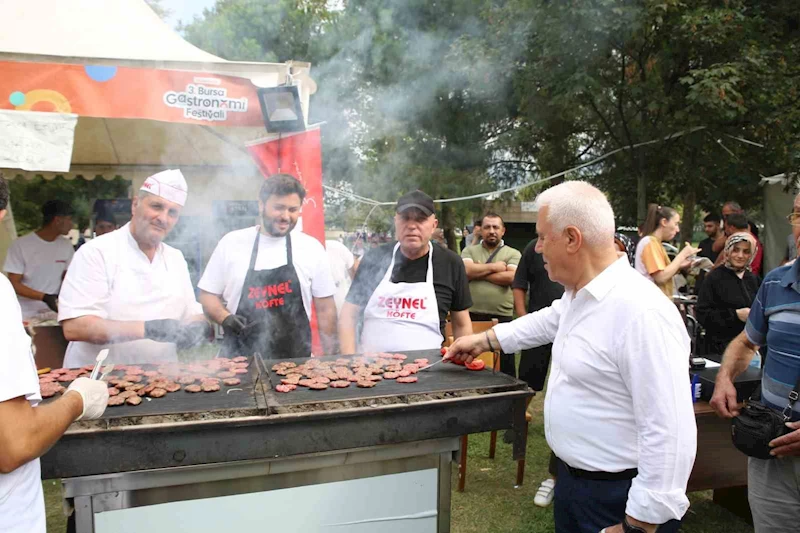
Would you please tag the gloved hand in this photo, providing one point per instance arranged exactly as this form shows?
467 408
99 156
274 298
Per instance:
52 301
193 333
94 394
233 325
164 330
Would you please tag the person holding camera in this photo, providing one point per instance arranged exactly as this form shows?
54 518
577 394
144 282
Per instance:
772 426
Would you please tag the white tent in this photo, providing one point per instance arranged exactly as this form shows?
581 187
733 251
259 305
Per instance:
128 34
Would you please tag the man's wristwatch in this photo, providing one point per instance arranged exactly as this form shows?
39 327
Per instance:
627 528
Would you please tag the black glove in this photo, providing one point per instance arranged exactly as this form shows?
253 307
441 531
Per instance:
166 330
52 301
233 325
194 333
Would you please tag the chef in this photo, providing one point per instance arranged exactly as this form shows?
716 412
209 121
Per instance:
27 430
261 281
128 291
36 263
405 290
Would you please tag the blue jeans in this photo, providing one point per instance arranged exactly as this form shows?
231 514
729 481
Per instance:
587 506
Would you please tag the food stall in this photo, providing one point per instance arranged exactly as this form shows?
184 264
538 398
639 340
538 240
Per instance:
340 459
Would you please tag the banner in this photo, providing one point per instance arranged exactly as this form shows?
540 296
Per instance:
299 155
126 92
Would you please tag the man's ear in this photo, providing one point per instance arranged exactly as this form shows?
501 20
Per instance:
3 214
574 239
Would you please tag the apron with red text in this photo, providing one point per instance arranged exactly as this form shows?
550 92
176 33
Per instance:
402 316
272 302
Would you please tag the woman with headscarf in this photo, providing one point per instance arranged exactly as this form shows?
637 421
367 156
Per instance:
727 293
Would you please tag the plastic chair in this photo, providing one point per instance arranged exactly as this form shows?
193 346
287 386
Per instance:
492 360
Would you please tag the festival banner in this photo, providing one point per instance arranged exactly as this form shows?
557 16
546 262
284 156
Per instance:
125 92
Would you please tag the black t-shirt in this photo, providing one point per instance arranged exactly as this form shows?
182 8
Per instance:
706 250
532 276
449 277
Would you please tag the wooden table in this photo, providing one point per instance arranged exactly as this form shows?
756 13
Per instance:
719 466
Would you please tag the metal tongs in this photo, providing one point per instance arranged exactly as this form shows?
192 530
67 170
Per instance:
99 360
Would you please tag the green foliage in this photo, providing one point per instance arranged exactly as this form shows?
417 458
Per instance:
462 96
28 196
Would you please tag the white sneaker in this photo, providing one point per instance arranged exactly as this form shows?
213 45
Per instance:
545 493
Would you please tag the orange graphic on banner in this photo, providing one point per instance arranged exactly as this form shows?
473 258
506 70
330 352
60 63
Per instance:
124 92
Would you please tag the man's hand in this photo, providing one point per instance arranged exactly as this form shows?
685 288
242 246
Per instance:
499 266
724 400
233 325
743 313
465 349
789 444
94 394
52 301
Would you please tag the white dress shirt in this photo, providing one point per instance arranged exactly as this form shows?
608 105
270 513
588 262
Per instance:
618 396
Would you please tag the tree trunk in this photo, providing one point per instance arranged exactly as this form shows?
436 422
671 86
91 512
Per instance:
687 220
641 198
448 227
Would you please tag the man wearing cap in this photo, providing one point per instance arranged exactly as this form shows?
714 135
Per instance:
36 263
261 282
130 292
28 429
404 290
104 223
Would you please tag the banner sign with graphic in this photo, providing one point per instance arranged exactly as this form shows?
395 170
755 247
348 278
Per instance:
125 92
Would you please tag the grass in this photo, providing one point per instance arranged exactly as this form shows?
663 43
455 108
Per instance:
490 503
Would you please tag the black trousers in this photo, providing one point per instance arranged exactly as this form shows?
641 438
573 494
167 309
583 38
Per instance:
508 364
588 506
533 366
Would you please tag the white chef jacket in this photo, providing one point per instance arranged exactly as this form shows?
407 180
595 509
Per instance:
111 278
226 270
21 499
618 395
42 265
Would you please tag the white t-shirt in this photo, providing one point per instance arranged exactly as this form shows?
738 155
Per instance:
227 268
21 499
42 265
113 279
638 263
341 261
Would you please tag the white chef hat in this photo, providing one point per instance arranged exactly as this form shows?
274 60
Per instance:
168 184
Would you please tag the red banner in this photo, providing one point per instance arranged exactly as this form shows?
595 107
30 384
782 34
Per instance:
299 155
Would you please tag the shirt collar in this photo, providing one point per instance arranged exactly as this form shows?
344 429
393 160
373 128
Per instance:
126 229
792 276
602 284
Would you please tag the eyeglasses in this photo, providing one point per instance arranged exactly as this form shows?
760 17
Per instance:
794 219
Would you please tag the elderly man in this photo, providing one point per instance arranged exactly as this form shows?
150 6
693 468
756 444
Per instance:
36 263
405 290
618 413
28 430
774 320
130 292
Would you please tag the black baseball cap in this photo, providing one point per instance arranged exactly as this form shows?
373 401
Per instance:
416 200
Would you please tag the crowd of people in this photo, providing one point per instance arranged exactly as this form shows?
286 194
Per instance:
581 301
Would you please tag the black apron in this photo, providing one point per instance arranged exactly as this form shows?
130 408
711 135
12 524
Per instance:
272 303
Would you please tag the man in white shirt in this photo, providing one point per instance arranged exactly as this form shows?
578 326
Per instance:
261 281
618 412
28 430
343 268
36 263
130 292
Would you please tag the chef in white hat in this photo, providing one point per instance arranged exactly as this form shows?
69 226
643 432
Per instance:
128 291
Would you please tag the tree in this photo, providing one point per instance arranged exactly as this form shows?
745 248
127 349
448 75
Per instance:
28 196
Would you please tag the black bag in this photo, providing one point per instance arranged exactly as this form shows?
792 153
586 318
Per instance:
757 425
